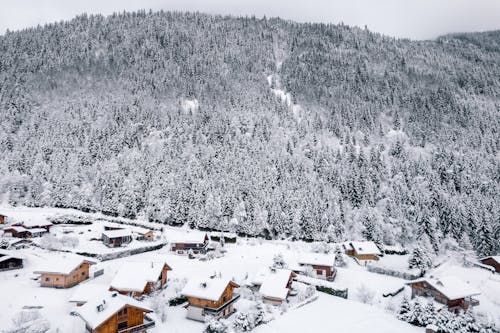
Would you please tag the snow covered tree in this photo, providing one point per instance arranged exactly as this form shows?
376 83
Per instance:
279 261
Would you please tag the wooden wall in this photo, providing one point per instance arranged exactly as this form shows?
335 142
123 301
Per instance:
226 296
81 273
133 317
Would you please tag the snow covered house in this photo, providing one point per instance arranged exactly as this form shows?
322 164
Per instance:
9 260
274 284
22 232
29 224
116 238
8 243
493 261
115 313
363 251
140 278
210 298
144 234
64 273
321 266
448 290
196 242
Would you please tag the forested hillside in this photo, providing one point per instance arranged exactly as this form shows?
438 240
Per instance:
259 126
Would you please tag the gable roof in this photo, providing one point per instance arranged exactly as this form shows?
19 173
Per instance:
496 258
366 247
450 286
192 237
274 284
62 265
117 233
209 289
16 229
6 255
111 303
87 291
133 276
319 259
29 224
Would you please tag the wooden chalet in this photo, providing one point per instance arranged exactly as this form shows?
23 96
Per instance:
275 285
210 298
9 260
115 313
362 251
197 243
144 234
65 273
493 261
140 278
320 265
34 225
448 290
22 232
116 238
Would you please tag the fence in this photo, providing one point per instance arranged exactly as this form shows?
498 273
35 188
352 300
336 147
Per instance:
392 272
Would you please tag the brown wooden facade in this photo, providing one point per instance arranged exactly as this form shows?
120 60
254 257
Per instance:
11 263
2 219
196 247
126 320
199 308
323 271
423 288
490 261
60 280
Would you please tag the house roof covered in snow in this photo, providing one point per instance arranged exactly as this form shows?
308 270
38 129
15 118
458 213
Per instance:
133 276
450 286
88 291
37 230
274 284
62 265
190 238
366 247
5 255
117 233
99 309
16 229
318 259
496 258
207 288
34 224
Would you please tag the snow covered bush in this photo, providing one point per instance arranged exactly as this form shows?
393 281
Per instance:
420 258
217 326
339 257
50 242
321 247
244 322
29 322
279 261
159 306
306 293
419 314
365 294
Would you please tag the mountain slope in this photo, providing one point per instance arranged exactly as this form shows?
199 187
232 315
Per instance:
172 116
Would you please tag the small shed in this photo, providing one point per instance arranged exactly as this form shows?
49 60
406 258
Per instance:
112 312
210 298
322 266
116 238
493 261
363 251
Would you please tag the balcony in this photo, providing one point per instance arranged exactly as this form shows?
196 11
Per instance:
148 323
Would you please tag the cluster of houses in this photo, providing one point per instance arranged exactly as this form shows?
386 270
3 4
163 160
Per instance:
118 308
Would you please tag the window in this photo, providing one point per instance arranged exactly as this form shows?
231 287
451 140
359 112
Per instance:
319 272
83 273
125 311
47 279
120 313
122 325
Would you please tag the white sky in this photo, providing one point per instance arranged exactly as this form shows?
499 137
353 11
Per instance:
416 19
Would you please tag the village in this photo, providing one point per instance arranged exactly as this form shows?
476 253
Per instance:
78 272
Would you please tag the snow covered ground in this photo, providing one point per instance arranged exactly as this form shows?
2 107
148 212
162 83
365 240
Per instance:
240 262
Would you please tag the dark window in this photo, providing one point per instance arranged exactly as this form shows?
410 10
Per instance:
47 279
119 313
125 311
122 325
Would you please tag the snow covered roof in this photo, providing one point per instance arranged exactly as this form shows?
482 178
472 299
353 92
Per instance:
496 258
274 284
141 231
366 247
133 276
5 255
16 229
37 230
207 288
87 291
35 224
62 265
190 238
318 259
450 286
117 233
99 309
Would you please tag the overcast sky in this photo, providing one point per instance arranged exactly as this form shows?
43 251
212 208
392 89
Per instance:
416 19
